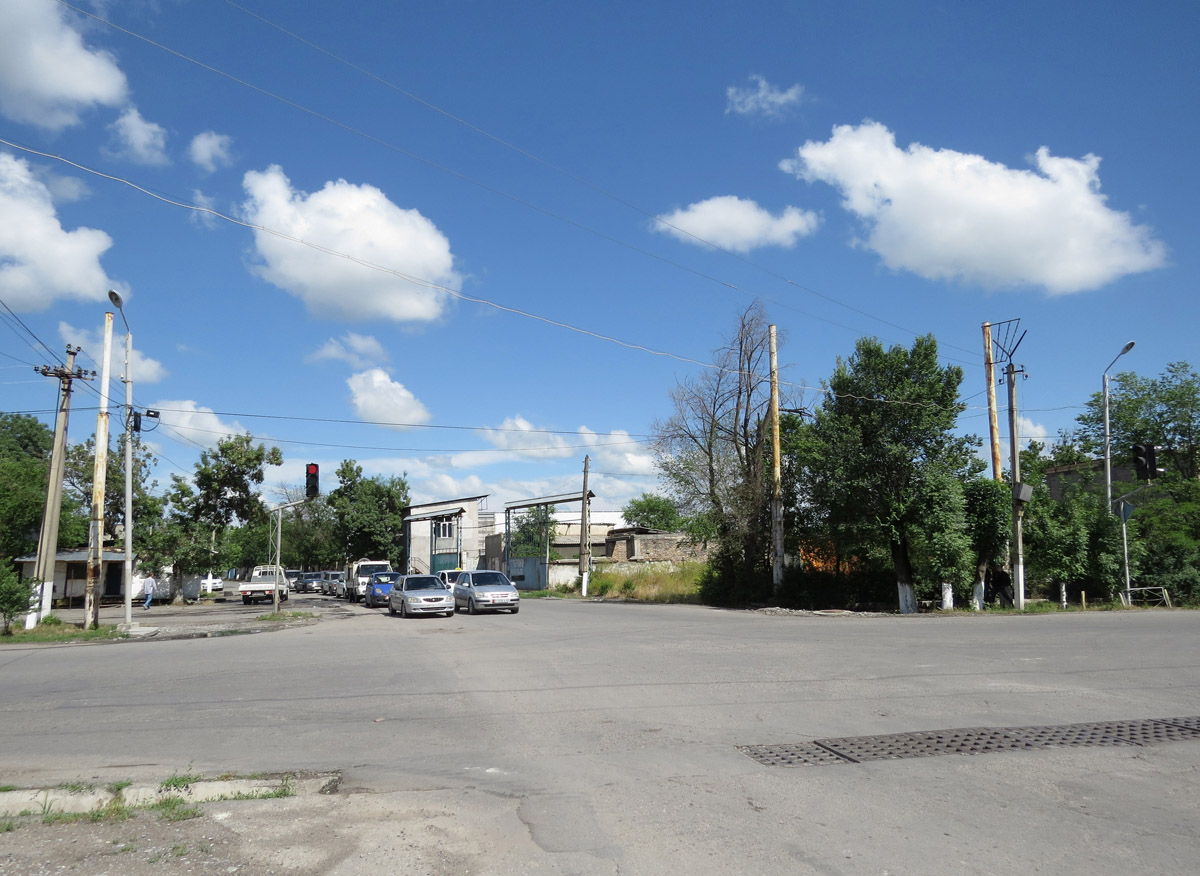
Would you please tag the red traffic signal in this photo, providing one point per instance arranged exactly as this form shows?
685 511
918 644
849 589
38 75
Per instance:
312 474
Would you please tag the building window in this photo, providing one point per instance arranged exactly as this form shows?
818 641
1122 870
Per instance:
444 529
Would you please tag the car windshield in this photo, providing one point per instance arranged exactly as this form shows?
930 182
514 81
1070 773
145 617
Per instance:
386 577
424 582
372 568
490 579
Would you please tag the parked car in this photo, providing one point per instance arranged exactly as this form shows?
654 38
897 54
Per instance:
210 583
378 588
329 582
420 594
449 576
482 590
308 582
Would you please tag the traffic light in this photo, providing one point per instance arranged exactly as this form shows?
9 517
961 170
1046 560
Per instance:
1145 461
312 473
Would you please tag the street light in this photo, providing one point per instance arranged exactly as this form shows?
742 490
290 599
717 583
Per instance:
1107 452
116 300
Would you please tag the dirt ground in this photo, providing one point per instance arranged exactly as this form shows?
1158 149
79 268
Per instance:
348 835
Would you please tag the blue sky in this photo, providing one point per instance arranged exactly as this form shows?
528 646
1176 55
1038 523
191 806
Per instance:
434 238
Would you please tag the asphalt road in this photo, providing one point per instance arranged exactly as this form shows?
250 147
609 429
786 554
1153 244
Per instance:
599 738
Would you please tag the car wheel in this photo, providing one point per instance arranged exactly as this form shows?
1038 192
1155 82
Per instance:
471 609
391 608
516 608
403 609
245 600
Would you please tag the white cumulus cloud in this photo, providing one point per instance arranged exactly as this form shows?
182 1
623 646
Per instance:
377 398
761 99
737 224
185 420
40 261
141 367
138 140
211 150
357 220
948 215
47 75
360 351
517 436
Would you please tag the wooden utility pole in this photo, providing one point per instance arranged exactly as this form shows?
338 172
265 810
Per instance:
48 540
989 374
777 486
585 540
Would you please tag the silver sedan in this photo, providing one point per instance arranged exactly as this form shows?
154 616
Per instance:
420 594
482 590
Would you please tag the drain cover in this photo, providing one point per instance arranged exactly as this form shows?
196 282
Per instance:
975 740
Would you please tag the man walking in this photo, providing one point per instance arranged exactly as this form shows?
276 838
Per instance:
148 588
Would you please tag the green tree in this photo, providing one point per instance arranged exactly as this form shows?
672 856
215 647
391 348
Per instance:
882 440
1163 411
15 594
533 531
367 514
25 445
220 492
653 511
989 520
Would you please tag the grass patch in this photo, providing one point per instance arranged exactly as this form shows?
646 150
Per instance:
175 809
75 787
115 788
9 788
179 781
45 633
179 850
285 615
681 585
7 826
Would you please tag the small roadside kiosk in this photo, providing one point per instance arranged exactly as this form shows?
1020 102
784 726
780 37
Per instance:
70 574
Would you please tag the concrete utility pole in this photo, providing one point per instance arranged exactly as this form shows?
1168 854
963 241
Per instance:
777 486
585 540
48 540
91 614
989 374
1018 502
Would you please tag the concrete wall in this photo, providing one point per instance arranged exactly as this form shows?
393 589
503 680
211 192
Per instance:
667 547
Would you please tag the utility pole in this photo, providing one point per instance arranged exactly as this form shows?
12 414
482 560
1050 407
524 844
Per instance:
1018 500
48 540
777 486
989 374
585 541
91 614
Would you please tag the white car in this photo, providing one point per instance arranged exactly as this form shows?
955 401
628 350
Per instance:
420 594
212 584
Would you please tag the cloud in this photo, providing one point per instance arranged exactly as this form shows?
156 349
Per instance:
360 351
359 221
736 224
200 218
211 150
138 140
185 420
947 215
141 367
1031 431
377 398
763 99
47 75
516 436
40 262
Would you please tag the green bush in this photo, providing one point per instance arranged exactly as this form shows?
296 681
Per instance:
15 594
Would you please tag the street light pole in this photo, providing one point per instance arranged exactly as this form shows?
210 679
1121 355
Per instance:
1107 436
128 381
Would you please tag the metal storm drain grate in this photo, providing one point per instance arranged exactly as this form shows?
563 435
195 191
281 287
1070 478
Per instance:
974 740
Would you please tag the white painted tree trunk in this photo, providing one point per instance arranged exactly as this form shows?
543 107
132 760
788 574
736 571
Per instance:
1062 594
907 596
977 595
947 596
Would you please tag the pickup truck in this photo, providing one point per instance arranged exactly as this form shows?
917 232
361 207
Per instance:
262 583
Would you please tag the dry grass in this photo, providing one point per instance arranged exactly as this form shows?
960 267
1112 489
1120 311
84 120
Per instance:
649 585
